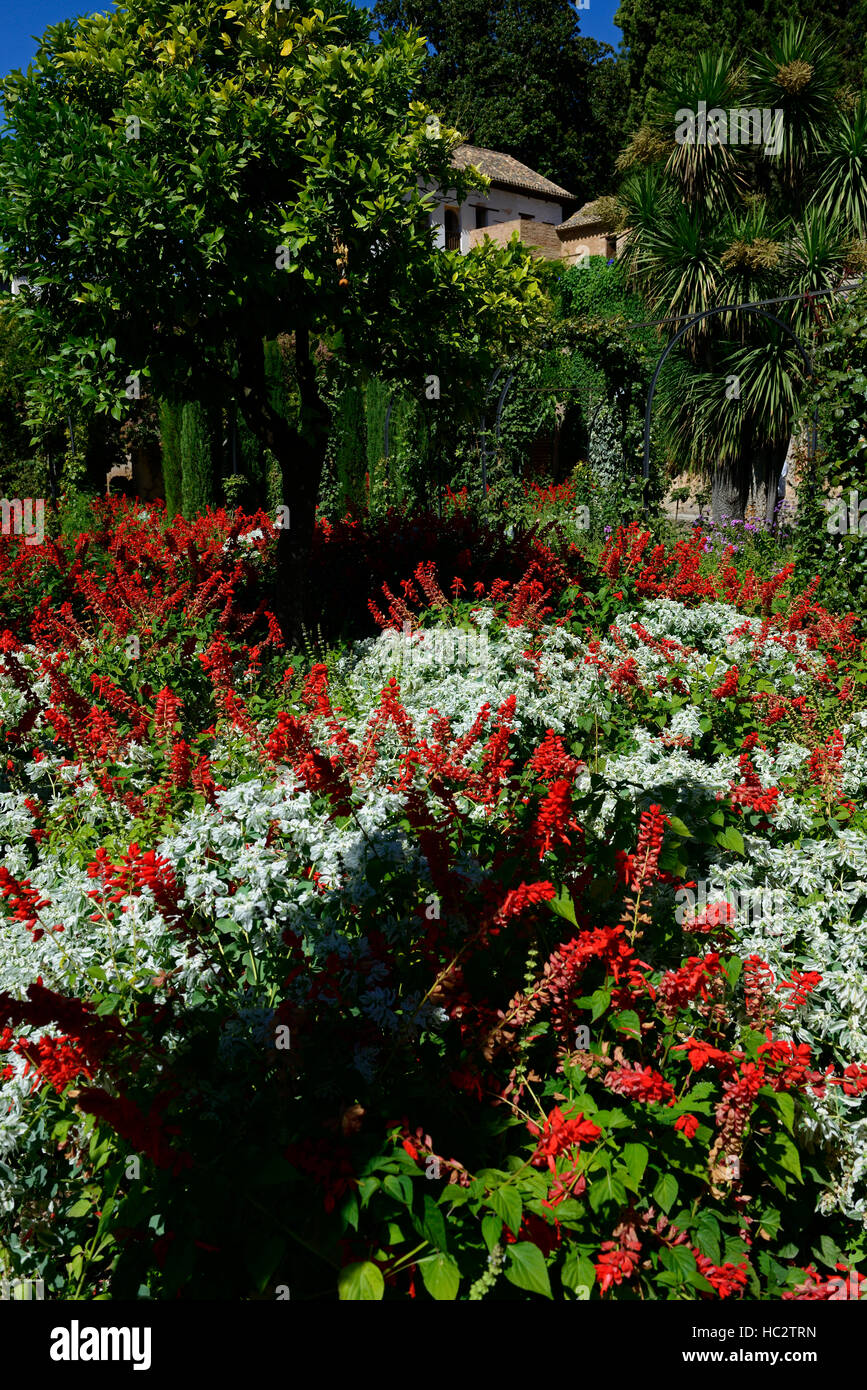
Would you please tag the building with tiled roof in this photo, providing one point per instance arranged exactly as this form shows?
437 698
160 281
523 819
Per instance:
588 232
506 172
519 199
586 216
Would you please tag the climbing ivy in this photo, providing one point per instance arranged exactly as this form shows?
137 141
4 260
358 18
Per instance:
831 528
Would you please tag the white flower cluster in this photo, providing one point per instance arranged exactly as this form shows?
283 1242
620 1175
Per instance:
234 869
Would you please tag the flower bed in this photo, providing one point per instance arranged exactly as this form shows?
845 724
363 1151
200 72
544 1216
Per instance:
513 952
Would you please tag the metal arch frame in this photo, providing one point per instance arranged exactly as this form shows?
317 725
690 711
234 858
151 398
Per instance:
483 432
511 368
491 383
696 318
504 393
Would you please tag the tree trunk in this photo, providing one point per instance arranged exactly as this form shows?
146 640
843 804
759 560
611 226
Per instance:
767 465
300 452
731 482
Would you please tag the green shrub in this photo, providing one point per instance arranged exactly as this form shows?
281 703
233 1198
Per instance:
350 446
831 536
170 421
197 462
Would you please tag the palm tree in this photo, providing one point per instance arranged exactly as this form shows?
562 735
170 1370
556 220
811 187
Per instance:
843 185
714 222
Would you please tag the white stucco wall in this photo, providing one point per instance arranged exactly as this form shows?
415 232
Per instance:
503 204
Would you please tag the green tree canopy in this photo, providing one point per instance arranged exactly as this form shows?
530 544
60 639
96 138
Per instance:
183 180
519 76
661 40
714 222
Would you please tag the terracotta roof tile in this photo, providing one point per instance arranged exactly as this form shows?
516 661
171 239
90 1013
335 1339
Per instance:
584 217
503 169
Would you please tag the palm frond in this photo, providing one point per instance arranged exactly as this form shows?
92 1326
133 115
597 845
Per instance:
797 74
843 184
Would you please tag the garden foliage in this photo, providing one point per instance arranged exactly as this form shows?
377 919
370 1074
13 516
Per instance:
373 977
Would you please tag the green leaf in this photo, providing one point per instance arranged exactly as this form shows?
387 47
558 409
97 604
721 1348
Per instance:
628 1022
441 1277
433 1224
527 1269
349 1210
680 1260
367 1187
665 1192
608 1188
578 1272
601 998
492 1229
732 839
263 1256
635 1157
678 826
563 907
361 1283
828 1252
399 1188
786 1106
79 1208
782 1151
506 1202
707 1236
769 1223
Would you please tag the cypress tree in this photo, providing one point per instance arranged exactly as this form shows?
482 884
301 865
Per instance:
376 404
406 447
170 443
197 464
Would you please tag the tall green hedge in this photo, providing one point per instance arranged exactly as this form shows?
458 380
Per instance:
351 444
831 528
376 399
197 458
170 440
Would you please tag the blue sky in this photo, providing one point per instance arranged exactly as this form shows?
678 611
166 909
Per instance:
21 19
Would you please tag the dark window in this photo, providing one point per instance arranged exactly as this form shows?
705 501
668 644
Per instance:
453 230
610 248
481 215
528 217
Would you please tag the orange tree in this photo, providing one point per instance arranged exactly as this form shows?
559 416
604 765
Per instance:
183 182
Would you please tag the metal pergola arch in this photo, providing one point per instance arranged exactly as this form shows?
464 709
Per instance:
483 432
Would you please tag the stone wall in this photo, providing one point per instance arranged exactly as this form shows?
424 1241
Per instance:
541 236
579 243
503 205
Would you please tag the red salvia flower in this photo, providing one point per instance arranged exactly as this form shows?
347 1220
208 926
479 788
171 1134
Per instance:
560 1135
